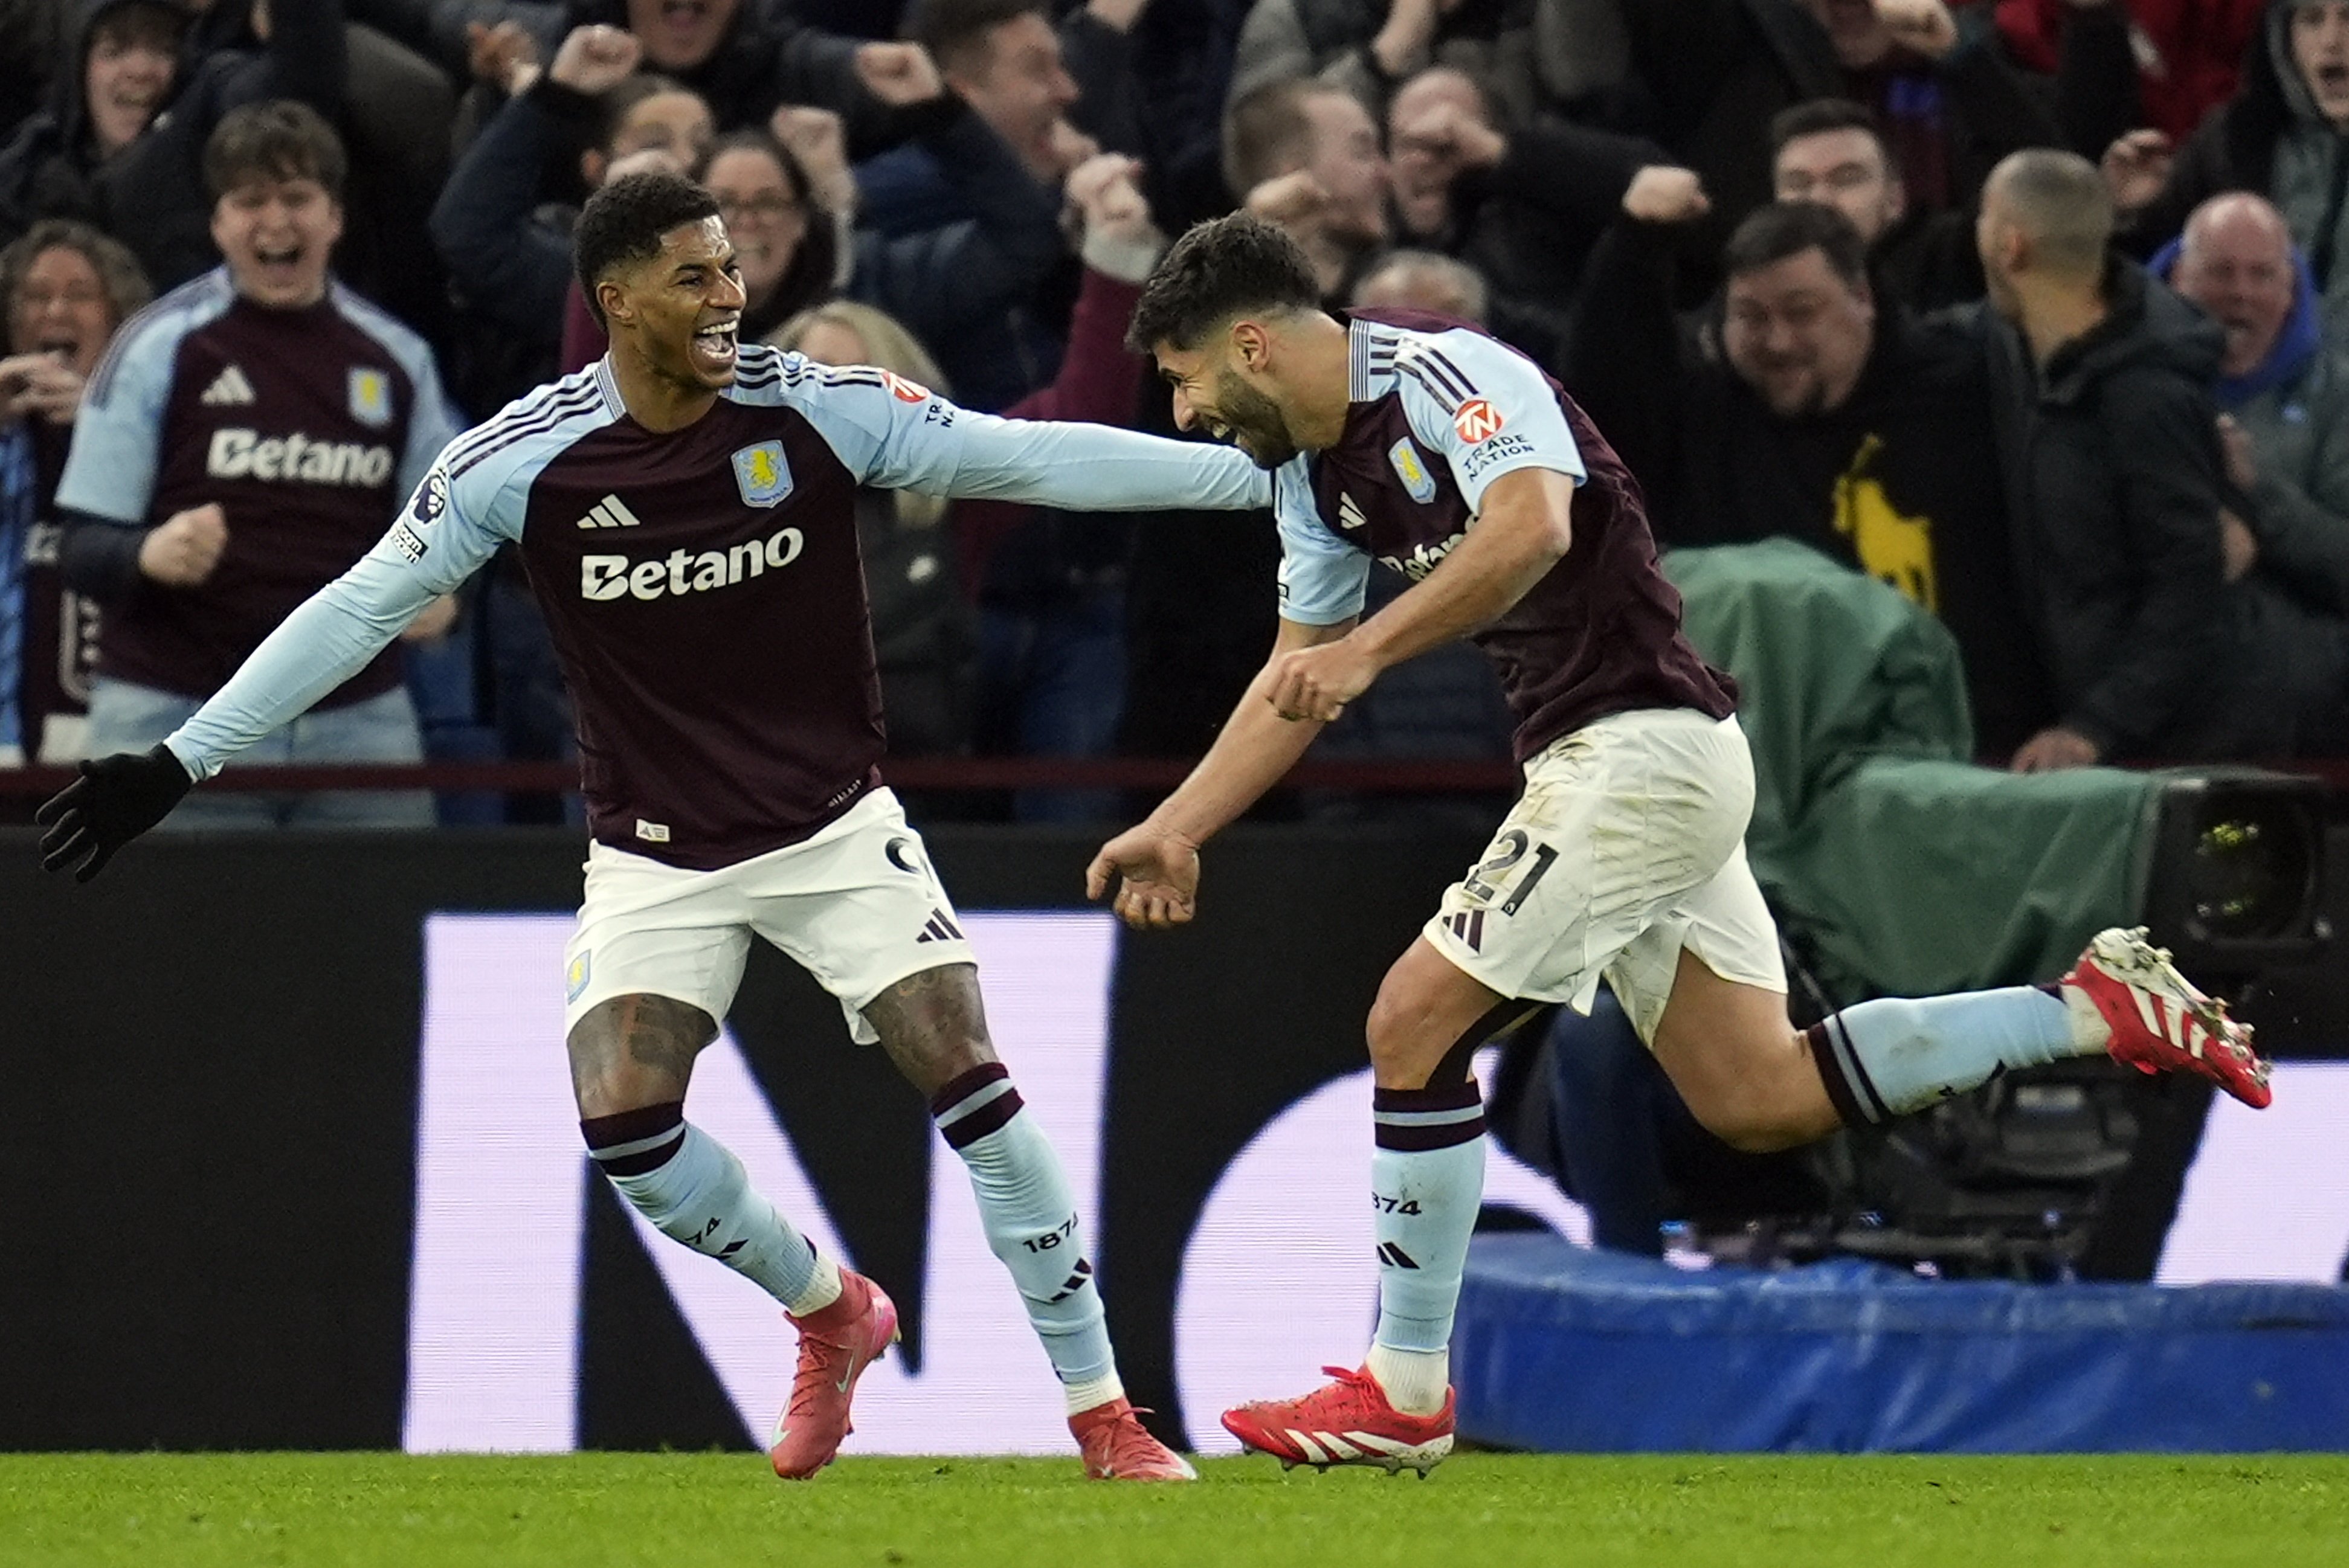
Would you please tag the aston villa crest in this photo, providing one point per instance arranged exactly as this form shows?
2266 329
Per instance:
761 474
1416 481
371 397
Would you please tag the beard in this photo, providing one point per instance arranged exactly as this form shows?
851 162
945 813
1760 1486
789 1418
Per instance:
1805 401
1251 416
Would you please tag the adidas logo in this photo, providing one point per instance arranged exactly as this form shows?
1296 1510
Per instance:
939 929
1391 1253
1468 925
609 512
228 389
1348 514
1073 1283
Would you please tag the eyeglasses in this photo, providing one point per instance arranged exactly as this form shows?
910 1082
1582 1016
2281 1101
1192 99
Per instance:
732 207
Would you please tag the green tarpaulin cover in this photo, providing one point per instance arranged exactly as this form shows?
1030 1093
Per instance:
1906 870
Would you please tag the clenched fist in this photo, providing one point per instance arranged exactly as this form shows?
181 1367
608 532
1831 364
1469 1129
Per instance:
1317 682
1661 193
1921 26
595 60
818 140
2136 167
898 74
181 550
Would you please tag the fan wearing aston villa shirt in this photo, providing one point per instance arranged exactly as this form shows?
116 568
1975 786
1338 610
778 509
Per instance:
1436 450
687 510
247 438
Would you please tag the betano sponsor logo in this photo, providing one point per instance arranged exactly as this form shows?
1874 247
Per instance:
1422 558
237 454
606 577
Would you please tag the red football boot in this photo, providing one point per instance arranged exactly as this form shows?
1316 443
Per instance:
1348 1422
837 1343
2125 991
1117 1447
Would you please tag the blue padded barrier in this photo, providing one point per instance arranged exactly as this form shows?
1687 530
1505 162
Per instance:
1562 1349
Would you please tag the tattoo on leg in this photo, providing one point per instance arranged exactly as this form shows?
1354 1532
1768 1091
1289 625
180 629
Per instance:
933 1024
635 1050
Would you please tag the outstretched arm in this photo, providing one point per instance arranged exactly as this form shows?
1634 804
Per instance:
1157 862
429 551
328 639
321 644
895 435
1092 467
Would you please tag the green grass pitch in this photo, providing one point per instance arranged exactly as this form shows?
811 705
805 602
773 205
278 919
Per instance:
1479 1510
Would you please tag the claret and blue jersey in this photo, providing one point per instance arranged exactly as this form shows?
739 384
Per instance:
1438 412
703 585
305 428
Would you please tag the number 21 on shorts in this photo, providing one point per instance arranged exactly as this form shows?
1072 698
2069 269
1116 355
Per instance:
1486 883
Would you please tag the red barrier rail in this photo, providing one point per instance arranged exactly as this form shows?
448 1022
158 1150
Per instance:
1429 777
1388 777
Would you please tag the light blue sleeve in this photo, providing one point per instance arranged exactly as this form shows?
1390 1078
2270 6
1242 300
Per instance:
896 435
448 528
1510 419
1323 579
117 435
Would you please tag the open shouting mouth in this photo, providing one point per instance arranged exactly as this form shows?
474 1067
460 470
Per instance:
714 347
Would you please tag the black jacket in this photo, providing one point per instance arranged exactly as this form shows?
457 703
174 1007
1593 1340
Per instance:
49 167
1168 79
1719 70
2115 481
1528 223
2239 146
152 191
1901 480
768 58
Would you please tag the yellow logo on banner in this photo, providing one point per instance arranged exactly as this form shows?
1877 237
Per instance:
1893 546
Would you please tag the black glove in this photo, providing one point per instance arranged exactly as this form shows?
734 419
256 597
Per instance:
116 798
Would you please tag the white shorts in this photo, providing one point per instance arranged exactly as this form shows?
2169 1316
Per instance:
857 906
1627 847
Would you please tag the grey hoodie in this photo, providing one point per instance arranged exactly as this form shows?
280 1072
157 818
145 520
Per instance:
48 168
2311 170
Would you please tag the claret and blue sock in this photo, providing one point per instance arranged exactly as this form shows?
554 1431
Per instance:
694 1191
1031 1223
1896 1055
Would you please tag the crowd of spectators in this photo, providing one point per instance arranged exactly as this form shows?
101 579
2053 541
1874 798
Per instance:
2035 309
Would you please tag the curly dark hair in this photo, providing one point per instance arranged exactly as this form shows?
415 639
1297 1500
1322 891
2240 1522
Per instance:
625 220
1222 268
